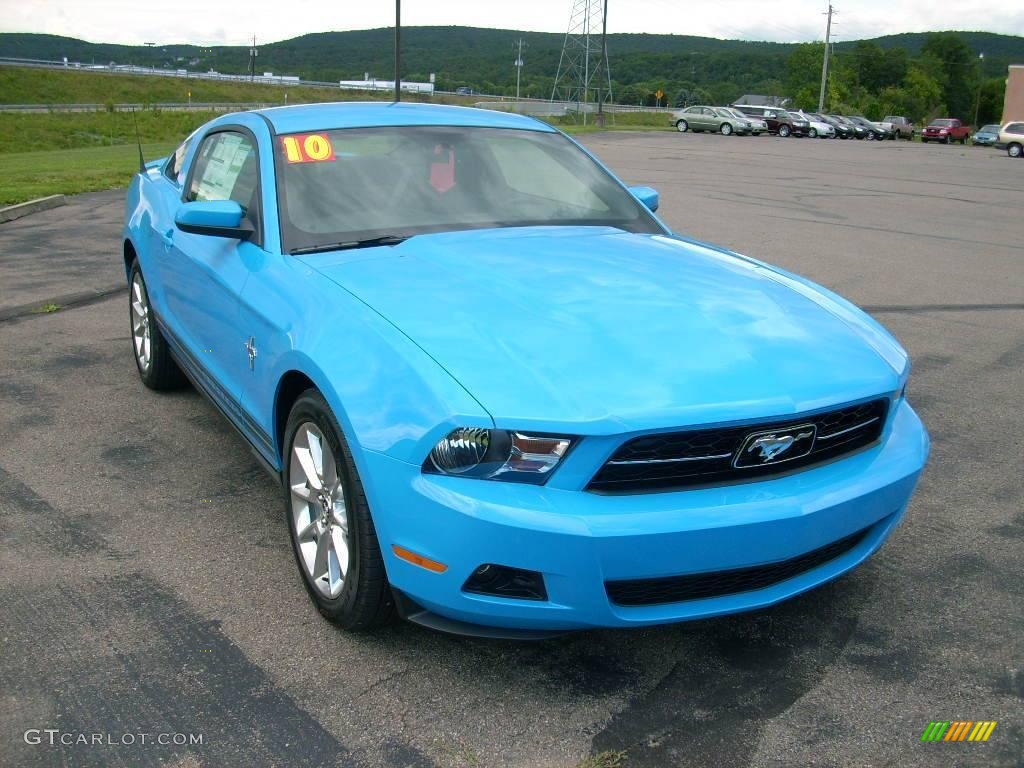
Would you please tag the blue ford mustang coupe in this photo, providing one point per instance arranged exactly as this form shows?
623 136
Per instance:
501 397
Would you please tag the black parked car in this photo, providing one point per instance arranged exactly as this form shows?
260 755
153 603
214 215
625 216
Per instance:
857 131
872 131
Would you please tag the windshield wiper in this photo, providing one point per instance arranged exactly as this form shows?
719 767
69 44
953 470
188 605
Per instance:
347 245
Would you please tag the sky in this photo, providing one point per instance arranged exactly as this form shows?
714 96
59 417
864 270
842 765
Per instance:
213 22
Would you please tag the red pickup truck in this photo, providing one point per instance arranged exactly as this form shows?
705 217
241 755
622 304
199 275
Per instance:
946 130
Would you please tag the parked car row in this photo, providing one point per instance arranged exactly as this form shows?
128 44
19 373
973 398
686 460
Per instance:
753 120
946 130
750 119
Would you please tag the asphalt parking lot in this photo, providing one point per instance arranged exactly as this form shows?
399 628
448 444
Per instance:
146 582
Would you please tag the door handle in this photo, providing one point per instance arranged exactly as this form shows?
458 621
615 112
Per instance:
168 238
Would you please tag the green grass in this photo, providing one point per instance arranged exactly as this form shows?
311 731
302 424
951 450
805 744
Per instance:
73 130
609 759
28 175
47 309
621 121
26 85
575 130
53 86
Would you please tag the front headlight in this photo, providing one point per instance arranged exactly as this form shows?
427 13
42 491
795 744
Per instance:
497 454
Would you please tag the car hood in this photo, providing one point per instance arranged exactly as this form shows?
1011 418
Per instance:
600 331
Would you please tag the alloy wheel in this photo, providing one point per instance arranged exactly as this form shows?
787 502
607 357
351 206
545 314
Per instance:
319 514
141 331
681 126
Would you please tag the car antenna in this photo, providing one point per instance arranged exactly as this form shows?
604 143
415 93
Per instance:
138 141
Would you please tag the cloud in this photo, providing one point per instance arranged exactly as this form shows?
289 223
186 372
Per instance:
205 22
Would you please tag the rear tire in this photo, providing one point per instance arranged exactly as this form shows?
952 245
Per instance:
682 126
1015 150
355 594
153 360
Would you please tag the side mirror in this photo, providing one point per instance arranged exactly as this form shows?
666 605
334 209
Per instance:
647 196
217 218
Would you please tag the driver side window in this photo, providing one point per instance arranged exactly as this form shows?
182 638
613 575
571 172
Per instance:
226 168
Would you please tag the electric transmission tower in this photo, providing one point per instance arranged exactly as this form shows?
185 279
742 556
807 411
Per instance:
583 73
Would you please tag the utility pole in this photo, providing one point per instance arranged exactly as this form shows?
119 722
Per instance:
519 66
252 60
604 65
824 61
981 75
398 50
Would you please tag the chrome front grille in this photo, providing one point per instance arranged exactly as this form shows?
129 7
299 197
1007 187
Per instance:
666 461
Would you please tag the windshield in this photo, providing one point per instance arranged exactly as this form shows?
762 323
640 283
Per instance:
363 183
721 112
942 123
794 116
990 129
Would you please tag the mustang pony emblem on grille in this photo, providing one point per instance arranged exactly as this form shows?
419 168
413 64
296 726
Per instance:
775 445
766 447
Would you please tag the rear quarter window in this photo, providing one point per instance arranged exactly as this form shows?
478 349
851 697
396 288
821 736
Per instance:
174 168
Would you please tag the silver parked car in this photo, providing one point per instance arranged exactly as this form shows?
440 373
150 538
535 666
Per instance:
757 125
820 127
711 119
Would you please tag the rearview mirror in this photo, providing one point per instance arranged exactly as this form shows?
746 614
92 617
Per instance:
218 218
647 196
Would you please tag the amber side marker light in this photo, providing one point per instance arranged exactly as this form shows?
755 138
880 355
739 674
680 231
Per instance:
420 560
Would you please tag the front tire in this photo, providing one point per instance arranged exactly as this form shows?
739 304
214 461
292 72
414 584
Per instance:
813 133
725 129
682 126
333 537
784 131
153 360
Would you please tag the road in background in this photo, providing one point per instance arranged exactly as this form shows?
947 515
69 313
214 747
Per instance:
147 583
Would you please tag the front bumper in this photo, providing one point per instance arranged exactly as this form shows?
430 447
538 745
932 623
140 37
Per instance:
578 540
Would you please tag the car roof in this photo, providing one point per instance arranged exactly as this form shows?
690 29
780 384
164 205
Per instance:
350 114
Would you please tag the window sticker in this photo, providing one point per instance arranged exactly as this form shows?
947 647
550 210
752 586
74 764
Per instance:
227 155
307 148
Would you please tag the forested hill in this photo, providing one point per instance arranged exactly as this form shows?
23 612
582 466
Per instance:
482 58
